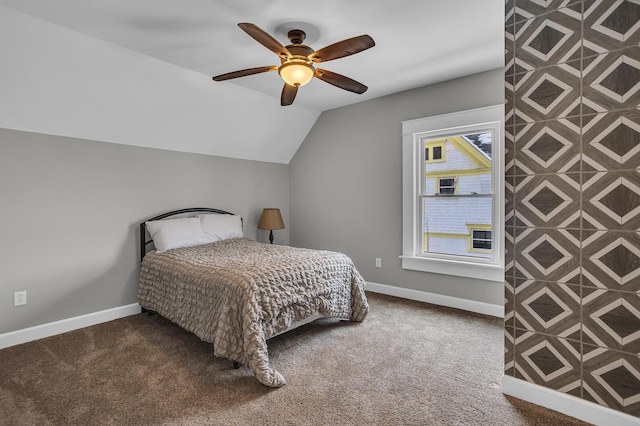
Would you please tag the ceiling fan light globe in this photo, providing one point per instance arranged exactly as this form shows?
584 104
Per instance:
296 73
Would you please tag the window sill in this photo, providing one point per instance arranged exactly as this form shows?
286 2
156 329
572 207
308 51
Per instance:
454 267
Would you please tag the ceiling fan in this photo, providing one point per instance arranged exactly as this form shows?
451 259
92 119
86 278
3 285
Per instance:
297 61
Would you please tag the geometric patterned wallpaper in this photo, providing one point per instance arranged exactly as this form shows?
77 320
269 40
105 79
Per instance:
572 280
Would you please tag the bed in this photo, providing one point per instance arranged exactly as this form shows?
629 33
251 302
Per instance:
236 293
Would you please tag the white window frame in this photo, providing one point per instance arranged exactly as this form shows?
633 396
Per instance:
413 133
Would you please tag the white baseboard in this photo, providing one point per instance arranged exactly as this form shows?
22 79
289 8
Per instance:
566 404
438 299
58 327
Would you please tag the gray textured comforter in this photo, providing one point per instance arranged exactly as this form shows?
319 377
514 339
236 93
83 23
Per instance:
238 293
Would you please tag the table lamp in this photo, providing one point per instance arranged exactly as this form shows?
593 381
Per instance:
271 219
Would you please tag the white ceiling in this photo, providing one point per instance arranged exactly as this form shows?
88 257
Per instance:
418 42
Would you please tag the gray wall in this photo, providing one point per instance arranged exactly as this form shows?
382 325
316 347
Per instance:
69 211
346 182
70 207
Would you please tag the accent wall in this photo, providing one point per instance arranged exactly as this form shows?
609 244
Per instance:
572 307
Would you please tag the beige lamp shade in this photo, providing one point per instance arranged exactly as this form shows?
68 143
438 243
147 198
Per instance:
271 219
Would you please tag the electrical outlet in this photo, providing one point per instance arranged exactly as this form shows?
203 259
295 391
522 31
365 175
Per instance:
378 262
19 298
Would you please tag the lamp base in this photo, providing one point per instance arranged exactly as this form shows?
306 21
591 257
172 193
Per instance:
270 236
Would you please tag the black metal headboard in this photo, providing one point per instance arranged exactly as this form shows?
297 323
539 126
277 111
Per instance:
143 229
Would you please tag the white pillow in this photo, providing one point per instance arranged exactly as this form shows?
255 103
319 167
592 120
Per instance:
221 226
169 234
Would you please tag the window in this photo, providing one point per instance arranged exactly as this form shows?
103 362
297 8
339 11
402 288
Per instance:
437 153
480 239
452 194
446 186
434 151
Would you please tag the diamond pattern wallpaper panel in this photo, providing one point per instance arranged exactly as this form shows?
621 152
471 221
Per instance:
509 300
547 147
509 210
509 347
508 12
572 205
611 25
611 81
509 99
548 200
547 255
611 260
527 9
613 140
611 200
614 319
547 93
549 39
612 379
548 307
549 361
509 250
509 151
509 46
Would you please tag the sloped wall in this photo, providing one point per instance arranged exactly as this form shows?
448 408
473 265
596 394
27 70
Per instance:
573 198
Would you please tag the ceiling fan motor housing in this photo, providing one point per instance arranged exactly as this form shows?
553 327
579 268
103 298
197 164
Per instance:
297 70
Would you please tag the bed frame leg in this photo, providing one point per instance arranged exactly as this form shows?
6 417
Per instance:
236 365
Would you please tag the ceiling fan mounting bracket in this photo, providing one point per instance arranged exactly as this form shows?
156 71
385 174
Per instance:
296 36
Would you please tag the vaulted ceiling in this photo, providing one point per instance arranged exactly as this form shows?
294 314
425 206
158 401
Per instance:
146 65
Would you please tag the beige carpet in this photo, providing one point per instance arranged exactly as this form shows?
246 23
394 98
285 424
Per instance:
409 363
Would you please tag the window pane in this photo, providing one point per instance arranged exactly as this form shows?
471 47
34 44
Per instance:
482 235
447 186
446 223
468 155
482 245
481 240
437 152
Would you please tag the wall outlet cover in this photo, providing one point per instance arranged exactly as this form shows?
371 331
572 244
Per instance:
19 298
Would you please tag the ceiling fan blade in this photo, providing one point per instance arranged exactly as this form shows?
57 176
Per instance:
340 81
288 94
265 39
343 48
243 73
